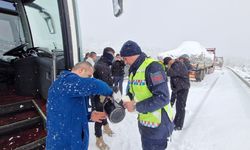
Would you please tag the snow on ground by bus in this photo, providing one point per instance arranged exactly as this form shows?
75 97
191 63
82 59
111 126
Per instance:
217 118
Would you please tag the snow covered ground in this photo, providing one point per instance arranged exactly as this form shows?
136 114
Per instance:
217 118
243 71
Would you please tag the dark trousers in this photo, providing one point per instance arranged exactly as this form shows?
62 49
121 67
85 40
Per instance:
98 127
181 99
154 144
118 80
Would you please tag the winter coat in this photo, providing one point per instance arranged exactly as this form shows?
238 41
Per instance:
67 113
160 98
188 65
102 72
178 73
118 68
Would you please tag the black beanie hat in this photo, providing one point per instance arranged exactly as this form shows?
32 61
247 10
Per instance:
130 48
166 60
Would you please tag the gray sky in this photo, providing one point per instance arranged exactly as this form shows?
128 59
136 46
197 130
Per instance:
161 25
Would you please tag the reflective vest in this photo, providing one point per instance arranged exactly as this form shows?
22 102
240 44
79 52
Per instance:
140 91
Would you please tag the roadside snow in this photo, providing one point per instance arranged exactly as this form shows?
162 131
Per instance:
217 118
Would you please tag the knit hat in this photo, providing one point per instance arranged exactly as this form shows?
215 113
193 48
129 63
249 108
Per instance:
166 60
130 48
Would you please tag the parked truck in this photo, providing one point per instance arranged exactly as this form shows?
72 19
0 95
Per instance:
202 65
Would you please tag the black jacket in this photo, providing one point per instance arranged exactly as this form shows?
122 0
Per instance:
179 78
118 68
102 72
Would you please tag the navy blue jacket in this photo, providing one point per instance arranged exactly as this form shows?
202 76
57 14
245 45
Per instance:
67 113
159 99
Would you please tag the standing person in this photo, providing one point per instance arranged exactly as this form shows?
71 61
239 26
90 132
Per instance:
185 59
179 81
92 58
102 72
148 91
118 71
86 56
67 113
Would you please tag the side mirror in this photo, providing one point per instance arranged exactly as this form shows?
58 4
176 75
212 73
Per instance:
117 7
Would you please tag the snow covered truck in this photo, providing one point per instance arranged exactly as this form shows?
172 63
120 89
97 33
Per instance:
201 58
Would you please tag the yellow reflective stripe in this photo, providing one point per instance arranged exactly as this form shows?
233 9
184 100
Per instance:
138 87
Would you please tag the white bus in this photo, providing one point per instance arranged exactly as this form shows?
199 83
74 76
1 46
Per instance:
38 39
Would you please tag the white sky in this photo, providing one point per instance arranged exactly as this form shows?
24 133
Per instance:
162 25
217 118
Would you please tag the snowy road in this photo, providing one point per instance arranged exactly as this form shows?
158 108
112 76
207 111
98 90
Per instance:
217 118
221 121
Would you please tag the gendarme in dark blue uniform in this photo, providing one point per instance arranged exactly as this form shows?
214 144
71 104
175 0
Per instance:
153 135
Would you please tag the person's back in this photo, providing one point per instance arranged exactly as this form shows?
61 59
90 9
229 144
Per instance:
65 108
179 75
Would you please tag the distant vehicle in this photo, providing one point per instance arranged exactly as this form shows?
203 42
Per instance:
218 63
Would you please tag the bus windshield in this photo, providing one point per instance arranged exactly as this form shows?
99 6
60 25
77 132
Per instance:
44 20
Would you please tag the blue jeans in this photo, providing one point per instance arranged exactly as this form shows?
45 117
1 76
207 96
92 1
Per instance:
118 80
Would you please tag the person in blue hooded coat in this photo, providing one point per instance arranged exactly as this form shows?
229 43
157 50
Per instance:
67 113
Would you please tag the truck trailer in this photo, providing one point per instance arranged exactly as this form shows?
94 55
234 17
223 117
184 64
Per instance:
201 58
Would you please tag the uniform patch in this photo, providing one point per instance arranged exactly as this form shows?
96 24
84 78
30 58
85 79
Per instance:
156 78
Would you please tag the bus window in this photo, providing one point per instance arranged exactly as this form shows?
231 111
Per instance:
11 30
43 16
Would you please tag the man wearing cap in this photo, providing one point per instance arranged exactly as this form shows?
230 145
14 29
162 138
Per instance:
179 81
149 96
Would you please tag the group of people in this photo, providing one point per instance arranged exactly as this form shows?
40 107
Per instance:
147 94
